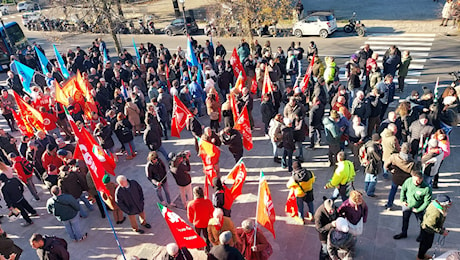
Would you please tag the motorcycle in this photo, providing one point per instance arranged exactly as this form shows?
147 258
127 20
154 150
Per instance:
151 26
210 29
355 25
142 28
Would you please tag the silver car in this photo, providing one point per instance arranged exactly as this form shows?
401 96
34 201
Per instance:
317 23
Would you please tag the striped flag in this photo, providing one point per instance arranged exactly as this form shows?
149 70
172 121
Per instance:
238 174
124 90
267 87
306 79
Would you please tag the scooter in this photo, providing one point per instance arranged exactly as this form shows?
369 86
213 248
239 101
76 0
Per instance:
355 25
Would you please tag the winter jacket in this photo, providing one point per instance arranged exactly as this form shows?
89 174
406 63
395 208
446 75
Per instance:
7 247
105 137
267 110
12 191
431 161
301 187
323 222
416 130
329 72
199 212
130 199
344 242
152 137
71 183
391 64
316 114
361 108
390 144
417 197
399 167
247 242
156 172
374 155
19 169
343 174
433 220
180 168
53 249
347 210
288 138
233 140
64 207
123 130
387 92
404 66
132 112
333 132
227 225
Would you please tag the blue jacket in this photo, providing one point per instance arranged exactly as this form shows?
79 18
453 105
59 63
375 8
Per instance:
196 91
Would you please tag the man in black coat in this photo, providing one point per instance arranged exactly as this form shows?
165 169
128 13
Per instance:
224 250
288 144
315 121
49 247
325 217
267 110
234 140
12 191
130 198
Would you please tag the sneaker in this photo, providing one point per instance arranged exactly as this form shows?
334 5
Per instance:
399 236
26 224
172 204
121 221
33 215
83 237
129 157
140 231
372 195
147 225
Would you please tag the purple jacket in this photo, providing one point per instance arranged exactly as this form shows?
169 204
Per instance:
347 210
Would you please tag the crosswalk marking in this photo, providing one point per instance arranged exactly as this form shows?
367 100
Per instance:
432 35
386 39
399 43
421 54
402 48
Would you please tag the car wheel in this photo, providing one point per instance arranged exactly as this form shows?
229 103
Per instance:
323 33
347 28
298 33
169 32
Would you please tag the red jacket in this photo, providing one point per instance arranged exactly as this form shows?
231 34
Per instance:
49 121
17 166
199 211
48 159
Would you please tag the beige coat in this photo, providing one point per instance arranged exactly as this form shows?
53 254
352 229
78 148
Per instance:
133 113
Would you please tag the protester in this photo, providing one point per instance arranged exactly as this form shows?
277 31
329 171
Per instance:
340 242
199 212
325 217
222 197
342 179
225 249
219 224
8 249
179 165
49 247
373 153
354 210
302 182
254 245
173 252
109 200
155 170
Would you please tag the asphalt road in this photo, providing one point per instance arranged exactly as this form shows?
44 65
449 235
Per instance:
292 241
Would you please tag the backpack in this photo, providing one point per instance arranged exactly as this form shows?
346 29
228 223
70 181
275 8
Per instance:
57 241
26 166
362 155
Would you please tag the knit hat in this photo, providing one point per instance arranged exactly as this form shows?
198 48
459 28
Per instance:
443 199
334 114
375 137
50 147
422 116
328 204
405 148
433 143
106 179
342 225
296 165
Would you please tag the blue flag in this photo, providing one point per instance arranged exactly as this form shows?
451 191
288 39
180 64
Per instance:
137 54
25 74
43 60
60 61
210 43
193 61
106 58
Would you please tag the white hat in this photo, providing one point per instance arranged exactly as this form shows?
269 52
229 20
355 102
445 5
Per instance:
342 225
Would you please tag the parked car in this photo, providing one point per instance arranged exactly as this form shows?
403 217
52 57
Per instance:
27 6
177 26
317 23
4 9
30 17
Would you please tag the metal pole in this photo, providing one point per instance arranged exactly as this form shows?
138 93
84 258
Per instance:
7 36
185 20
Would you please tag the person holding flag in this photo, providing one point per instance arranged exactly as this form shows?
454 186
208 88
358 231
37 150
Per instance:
261 250
302 182
234 140
222 197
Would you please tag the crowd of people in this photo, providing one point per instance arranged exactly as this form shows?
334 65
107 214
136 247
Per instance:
134 96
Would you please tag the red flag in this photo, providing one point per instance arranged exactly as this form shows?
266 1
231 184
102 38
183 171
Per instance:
265 215
254 85
96 159
291 205
268 84
237 65
242 124
179 117
239 84
30 115
23 127
89 105
184 235
234 107
306 79
210 155
238 174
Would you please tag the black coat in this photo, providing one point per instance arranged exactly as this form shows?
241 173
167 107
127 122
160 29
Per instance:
130 199
105 137
121 130
316 114
323 222
12 191
180 168
54 249
288 138
267 110
156 171
225 252
152 138
234 141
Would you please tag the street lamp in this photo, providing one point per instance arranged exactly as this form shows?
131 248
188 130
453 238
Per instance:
6 34
182 2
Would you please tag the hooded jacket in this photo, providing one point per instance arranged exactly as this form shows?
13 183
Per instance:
390 143
400 167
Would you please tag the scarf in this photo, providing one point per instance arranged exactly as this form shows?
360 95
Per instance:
404 156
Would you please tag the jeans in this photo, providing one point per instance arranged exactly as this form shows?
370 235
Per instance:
314 130
198 104
275 148
130 147
287 159
300 148
72 227
341 190
428 180
300 201
406 217
163 152
88 205
186 194
392 194
370 181
164 187
385 173
30 184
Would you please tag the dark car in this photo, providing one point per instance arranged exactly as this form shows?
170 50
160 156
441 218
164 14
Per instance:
177 26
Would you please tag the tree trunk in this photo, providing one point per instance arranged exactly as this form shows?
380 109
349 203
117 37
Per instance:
115 40
112 27
120 11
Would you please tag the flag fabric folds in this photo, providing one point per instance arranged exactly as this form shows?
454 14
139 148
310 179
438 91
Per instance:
238 174
106 57
138 60
179 117
267 87
306 79
254 86
29 114
25 74
237 65
239 84
60 61
291 208
24 128
265 214
210 154
242 124
192 61
184 235
43 60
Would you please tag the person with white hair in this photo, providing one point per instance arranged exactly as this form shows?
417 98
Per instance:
247 233
219 224
340 243
225 251
130 198
174 253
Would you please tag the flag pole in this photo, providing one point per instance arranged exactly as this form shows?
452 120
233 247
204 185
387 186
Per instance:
111 224
257 209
